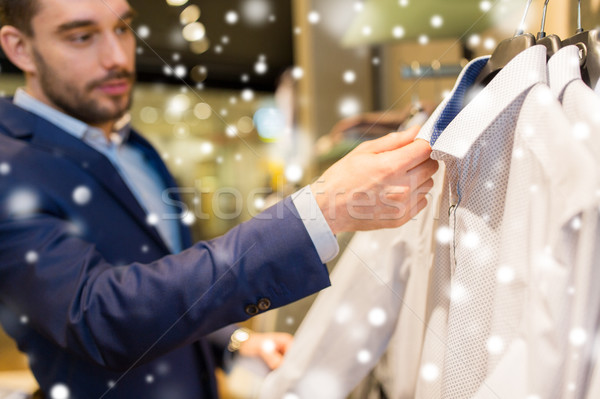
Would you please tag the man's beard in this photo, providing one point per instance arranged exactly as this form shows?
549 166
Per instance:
75 102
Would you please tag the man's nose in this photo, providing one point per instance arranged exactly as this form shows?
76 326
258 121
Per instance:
114 52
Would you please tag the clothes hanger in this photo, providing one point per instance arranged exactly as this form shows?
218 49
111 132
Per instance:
589 51
551 42
506 51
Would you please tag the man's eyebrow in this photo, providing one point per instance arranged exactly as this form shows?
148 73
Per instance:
83 23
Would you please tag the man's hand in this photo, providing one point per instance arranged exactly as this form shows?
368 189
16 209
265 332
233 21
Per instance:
382 183
270 347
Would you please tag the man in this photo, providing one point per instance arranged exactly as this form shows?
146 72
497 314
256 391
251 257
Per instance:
97 288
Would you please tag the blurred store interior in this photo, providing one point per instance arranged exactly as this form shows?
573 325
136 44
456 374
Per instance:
241 96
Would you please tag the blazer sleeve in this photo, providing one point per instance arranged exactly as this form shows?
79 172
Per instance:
119 315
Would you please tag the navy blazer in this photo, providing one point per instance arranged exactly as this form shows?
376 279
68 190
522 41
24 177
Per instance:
91 293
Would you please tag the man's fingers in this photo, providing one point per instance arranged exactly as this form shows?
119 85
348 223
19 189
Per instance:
410 156
421 173
273 359
390 142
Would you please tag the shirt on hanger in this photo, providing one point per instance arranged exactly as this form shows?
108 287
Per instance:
378 287
495 155
581 105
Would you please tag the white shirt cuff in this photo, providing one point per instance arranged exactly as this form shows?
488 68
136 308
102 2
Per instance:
316 225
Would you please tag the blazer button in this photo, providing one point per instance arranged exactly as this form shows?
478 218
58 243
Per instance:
264 304
251 310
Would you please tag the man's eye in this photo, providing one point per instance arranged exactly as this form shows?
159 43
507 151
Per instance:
82 38
121 30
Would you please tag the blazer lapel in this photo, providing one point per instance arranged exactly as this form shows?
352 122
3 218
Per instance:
47 136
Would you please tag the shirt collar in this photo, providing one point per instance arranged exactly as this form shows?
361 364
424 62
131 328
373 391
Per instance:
427 130
526 70
73 126
563 68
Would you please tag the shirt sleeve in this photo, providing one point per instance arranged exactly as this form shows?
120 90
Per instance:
319 231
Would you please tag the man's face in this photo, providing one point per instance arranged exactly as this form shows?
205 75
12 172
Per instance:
84 54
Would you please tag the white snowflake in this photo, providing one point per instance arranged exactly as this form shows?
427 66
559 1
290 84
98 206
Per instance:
577 336
364 356
366 30
436 21
343 314
581 131
143 31
314 17
430 372
4 168
495 345
59 391
289 320
268 346
474 40
22 202
189 218
82 195
180 71
489 43
485 5
231 17
505 274
152 219
349 76
576 223
423 39
24 319
443 235
111 384
294 173
247 95
349 106
403 3
377 317
471 240
163 368
31 257
290 395
297 72
458 293
145 248
149 378
231 131
237 157
261 67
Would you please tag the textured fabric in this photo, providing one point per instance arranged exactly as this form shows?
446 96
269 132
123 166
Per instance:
489 175
581 106
378 286
117 306
319 231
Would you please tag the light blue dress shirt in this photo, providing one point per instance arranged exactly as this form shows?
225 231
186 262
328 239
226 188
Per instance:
147 186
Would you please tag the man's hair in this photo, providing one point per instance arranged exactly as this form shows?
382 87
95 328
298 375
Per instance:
18 13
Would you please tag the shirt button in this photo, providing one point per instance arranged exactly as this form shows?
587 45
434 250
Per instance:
264 304
251 310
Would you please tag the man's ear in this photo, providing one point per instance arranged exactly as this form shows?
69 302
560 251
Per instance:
17 47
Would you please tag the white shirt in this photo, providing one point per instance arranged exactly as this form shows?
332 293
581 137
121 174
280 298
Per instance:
581 105
378 289
506 194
